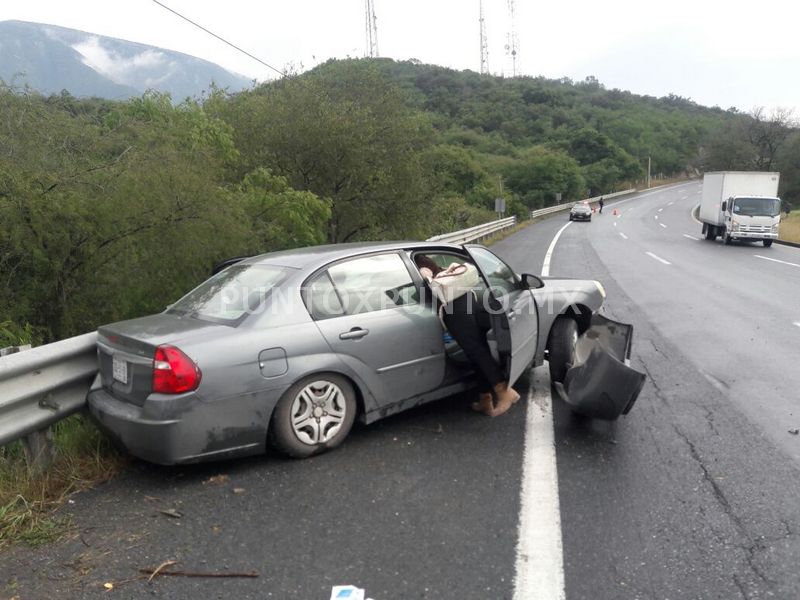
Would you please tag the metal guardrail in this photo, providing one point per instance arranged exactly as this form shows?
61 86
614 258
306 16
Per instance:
40 386
559 207
475 233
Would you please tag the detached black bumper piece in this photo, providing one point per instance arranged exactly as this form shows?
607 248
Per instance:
601 384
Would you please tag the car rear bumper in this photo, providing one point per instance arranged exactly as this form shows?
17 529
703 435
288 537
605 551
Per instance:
602 384
578 217
179 430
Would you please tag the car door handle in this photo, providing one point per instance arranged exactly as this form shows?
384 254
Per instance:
356 333
511 314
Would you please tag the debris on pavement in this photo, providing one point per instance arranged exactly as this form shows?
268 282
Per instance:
794 431
238 490
171 512
217 480
348 592
163 569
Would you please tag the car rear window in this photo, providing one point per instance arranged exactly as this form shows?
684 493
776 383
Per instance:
231 294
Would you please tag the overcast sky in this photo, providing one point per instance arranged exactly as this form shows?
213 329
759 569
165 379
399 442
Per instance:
716 53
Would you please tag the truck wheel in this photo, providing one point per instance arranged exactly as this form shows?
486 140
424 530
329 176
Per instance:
711 234
727 239
767 243
561 347
314 415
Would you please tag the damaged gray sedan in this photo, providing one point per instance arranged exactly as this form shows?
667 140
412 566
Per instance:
289 348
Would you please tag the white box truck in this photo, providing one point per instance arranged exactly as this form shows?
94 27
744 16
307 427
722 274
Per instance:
741 205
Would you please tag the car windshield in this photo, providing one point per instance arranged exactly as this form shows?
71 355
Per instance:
757 207
230 294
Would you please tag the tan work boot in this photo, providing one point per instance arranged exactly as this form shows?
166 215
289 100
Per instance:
506 398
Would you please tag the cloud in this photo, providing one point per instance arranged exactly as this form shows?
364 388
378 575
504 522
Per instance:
125 70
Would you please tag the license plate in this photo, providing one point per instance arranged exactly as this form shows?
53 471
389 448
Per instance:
119 369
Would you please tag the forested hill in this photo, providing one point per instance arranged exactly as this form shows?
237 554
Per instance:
500 116
114 209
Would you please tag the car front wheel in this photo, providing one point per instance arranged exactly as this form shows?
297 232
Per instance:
314 415
561 347
767 243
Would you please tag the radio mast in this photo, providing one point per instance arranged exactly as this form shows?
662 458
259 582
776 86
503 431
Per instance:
512 42
484 41
372 29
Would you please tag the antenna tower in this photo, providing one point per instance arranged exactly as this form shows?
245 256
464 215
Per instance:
484 41
372 29
512 42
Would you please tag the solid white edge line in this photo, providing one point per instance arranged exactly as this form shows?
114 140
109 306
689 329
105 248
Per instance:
783 262
549 254
691 237
664 226
658 258
691 213
623 235
539 569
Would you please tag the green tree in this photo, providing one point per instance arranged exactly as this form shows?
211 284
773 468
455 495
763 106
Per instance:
347 135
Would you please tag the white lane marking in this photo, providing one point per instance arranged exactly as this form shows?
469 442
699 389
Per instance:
783 262
691 237
624 237
670 203
549 254
797 323
539 570
656 217
660 209
658 258
615 223
684 197
664 226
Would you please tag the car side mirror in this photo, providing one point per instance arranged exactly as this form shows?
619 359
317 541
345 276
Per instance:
724 206
531 282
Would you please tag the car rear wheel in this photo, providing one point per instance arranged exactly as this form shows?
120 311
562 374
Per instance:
711 234
314 415
561 347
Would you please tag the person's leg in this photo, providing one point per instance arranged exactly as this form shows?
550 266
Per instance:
463 326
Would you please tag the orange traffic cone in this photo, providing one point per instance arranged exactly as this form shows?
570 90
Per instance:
615 212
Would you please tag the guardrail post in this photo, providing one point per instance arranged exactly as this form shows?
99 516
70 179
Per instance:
39 449
38 445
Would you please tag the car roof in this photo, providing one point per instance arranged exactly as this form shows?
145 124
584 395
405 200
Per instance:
312 257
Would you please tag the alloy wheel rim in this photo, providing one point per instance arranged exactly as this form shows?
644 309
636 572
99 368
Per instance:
318 411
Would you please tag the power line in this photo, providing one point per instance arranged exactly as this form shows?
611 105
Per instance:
281 73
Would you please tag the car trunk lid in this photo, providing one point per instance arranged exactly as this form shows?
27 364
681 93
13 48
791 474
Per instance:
126 349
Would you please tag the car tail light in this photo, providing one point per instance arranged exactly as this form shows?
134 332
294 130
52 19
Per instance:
174 372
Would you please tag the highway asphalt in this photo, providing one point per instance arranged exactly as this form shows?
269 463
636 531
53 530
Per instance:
694 495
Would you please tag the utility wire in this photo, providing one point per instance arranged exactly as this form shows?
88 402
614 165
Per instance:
281 73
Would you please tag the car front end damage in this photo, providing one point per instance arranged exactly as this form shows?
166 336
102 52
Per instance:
600 383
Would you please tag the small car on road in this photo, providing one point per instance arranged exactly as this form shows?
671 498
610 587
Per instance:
289 348
580 212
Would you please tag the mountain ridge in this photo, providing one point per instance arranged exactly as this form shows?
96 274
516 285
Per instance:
51 58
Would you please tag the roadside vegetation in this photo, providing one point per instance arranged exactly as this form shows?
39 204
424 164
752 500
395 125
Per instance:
112 210
83 458
790 227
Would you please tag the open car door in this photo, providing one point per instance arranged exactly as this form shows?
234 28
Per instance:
512 309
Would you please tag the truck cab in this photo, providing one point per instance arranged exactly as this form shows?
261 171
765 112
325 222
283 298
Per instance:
753 218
